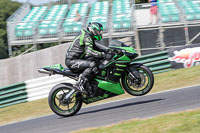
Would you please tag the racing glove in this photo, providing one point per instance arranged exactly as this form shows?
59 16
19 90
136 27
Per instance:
106 56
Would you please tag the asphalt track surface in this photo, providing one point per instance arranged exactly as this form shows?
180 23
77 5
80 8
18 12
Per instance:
109 113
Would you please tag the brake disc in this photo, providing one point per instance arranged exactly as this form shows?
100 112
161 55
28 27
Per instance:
137 83
62 100
143 80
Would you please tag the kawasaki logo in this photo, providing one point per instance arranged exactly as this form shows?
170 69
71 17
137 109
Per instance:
188 56
97 98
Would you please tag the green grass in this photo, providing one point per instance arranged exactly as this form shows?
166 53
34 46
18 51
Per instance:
184 122
164 81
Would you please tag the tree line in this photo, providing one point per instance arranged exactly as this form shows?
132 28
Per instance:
7 8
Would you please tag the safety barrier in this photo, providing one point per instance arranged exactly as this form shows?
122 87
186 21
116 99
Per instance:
13 94
157 62
39 88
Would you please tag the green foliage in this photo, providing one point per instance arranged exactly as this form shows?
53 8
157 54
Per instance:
137 1
46 45
7 8
17 50
141 1
181 122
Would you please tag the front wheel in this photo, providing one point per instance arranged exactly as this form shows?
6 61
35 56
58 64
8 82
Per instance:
62 105
138 86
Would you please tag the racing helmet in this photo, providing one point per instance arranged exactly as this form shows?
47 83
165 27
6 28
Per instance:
95 29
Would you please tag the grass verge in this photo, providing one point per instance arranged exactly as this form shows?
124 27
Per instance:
182 122
163 81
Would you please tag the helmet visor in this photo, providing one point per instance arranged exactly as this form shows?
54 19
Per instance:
100 32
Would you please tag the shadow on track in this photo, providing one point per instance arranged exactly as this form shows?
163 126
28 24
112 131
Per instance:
121 106
115 107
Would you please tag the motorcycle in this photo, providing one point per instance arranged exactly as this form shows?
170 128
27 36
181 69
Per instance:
116 76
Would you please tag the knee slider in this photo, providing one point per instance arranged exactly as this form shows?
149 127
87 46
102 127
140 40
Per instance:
92 65
95 70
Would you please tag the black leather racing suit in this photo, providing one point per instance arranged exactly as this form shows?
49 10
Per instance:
82 56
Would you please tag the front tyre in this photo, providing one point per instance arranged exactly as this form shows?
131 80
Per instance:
61 105
140 86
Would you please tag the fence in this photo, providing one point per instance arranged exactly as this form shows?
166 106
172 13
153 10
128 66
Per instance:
157 62
13 94
39 88
60 33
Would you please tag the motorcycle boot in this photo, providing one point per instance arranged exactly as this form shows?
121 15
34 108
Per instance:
79 85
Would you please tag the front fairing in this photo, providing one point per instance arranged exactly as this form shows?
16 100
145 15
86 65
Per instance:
110 87
127 50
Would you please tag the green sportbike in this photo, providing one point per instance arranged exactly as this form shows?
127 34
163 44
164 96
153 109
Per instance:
117 76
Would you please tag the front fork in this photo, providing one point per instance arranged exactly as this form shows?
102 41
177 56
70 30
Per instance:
133 72
67 98
70 94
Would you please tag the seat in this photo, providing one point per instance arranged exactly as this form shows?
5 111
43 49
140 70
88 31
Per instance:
69 25
169 12
175 18
30 21
52 19
68 72
121 14
99 13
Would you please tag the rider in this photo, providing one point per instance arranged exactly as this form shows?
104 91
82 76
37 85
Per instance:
82 55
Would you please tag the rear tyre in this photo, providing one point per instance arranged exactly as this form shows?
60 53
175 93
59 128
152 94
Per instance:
61 105
141 86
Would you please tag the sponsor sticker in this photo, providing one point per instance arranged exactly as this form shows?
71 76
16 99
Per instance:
189 57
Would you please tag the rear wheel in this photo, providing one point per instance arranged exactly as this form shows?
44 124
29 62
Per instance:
140 86
62 105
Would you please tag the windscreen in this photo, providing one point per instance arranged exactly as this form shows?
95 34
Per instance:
112 43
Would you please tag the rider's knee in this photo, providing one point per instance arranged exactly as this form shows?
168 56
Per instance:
93 64
95 70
